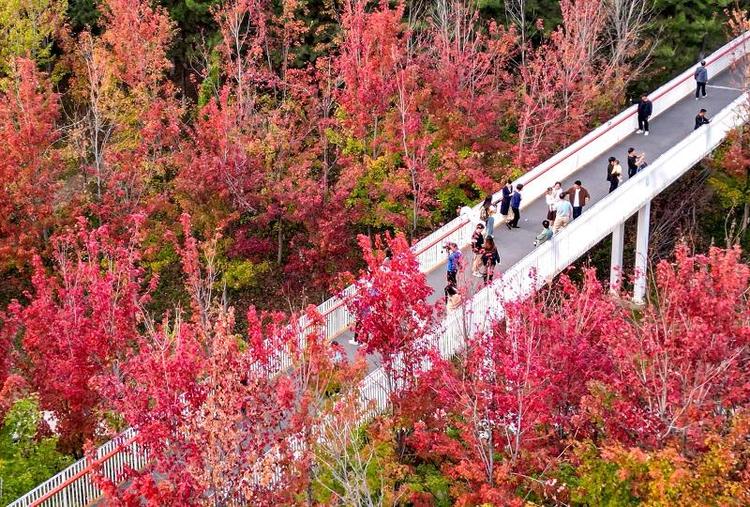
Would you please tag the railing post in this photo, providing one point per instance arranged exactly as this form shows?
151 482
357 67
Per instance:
618 244
641 253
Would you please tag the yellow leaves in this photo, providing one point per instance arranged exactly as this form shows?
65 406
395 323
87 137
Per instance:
716 476
243 274
27 28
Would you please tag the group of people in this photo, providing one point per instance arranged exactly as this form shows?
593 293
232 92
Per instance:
563 206
510 208
636 162
646 108
486 256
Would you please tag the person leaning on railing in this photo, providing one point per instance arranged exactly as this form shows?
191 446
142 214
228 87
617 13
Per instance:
545 235
700 119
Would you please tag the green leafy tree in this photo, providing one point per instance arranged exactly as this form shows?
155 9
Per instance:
687 30
26 458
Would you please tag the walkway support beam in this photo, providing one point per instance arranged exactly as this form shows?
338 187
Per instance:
618 244
641 253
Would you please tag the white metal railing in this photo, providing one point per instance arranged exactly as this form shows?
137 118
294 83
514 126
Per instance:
74 487
553 256
429 254
558 167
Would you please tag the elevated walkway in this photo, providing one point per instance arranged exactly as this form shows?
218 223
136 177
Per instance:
673 148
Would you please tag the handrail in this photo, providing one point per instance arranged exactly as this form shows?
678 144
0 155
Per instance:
659 93
459 230
552 257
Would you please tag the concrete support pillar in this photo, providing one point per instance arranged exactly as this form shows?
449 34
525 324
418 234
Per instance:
618 244
641 254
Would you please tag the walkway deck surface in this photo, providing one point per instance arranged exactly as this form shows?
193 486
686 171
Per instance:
666 130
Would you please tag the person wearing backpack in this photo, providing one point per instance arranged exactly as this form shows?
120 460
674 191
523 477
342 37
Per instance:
455 262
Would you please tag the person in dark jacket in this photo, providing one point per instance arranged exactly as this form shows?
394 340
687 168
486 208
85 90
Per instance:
610 163
477 242
515 206
505 202
701 119
632 164
701 78
645 108
578 197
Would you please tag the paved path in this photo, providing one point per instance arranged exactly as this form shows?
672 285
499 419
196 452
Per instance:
667 129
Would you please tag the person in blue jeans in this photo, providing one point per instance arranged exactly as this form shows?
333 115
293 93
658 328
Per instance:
515 207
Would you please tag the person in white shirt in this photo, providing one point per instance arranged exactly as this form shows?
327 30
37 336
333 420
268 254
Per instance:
615 176
551 197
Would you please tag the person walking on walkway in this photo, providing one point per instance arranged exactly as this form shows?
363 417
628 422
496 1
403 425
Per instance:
610 163
564 214
515 206
490 222
645 108
486 214
632 164
490 259
477 241
505 200
701 78
701 119
578 197
545 235
484 210
615 176
454 264
550 198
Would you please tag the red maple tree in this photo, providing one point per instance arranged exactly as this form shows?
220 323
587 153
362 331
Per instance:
79 321
30 165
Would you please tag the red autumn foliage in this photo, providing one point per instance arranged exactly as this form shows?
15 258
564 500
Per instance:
221 414
79 321
683 363
506 407
393 317
30 165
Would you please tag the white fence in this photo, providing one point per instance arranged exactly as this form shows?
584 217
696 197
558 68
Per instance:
553 256
74 487
600 140
71 487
